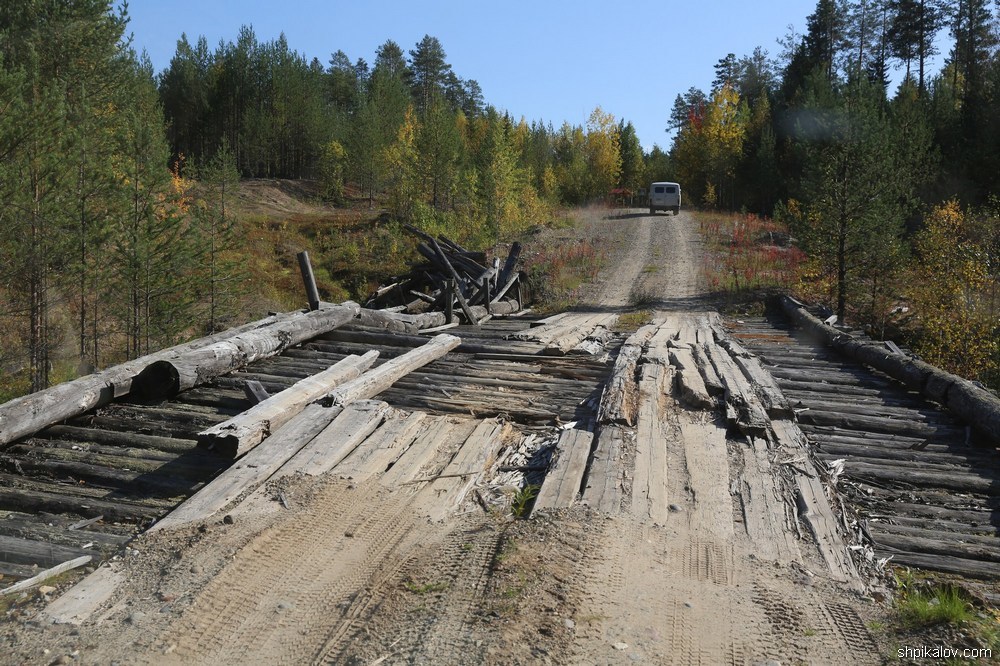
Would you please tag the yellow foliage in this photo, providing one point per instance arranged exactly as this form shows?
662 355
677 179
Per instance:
603 155
958 332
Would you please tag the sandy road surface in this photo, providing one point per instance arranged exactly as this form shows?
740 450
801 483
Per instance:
352 571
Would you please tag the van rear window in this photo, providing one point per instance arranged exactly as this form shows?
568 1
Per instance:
659 190
671 190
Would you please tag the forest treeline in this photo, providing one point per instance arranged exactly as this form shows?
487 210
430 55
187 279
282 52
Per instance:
892 191
117 182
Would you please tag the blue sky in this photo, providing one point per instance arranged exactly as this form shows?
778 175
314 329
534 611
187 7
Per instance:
545 60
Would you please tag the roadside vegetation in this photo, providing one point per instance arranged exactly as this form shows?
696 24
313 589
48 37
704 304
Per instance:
932 614
890 192
123 225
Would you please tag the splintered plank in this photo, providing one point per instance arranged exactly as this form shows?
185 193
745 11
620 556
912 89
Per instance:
382 448
337 440
567 339
565 477
814 507
620 394
764 508
254 468
771 397
649 491
604 482
445 494
657 349
743 408
693 391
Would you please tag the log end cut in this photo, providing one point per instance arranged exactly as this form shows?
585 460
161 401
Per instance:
157 381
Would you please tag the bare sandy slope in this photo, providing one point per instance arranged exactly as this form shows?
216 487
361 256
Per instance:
353 572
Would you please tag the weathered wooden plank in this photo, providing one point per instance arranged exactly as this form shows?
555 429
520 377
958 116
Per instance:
690 382
337 440
763 384
437 431
379 451
44 554
78 604
164 485
195 465
28 526
445 494
604 485
952 480
57 498
761 498
880 450
743 408
877 424
619 399
958 566
254 468
375 381
48 573
238 435
706 462
124 437
566 339
564 479
594 343
649 490
814 507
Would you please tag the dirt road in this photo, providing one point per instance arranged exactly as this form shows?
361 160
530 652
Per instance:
700 559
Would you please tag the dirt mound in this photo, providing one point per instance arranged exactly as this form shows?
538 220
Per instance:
274 197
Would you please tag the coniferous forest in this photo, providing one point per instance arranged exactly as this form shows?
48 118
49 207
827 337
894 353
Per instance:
117 182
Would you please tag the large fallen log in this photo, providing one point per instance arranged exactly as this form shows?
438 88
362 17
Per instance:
28 414
185 369
975 405
235 437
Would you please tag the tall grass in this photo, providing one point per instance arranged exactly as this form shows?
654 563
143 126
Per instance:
558 271
746 253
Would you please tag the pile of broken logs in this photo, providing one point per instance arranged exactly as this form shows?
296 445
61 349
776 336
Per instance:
453 283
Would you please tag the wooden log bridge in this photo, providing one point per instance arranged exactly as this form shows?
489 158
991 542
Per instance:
103 474
972 403
29 414
924 482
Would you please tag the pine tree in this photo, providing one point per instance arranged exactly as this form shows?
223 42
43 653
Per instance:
439 145
854 183
153 258
218 240
428 73
185 89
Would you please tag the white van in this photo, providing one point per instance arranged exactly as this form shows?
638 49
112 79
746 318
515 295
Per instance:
664 196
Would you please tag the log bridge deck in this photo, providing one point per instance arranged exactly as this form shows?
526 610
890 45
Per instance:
924 485
88 485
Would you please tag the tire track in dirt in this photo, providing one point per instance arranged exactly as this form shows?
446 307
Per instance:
285 585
